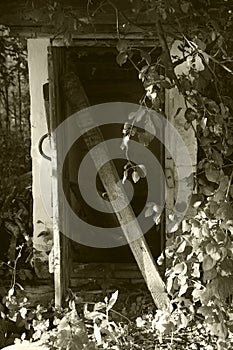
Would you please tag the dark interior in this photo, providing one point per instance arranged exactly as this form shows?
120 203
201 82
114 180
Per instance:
105 81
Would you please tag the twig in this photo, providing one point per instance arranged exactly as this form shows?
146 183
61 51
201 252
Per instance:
117 23
13 280
121 315
135 66
104 2
220 64
229 185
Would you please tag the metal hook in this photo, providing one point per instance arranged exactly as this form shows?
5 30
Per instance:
40 146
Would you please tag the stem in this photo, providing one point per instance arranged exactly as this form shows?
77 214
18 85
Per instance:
220 64
117 23
229 185
13 280
135 66
20 102
121 315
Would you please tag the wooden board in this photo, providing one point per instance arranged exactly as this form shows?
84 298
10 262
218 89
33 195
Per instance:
60 242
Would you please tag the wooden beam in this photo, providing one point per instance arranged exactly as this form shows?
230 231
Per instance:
108 174
60 242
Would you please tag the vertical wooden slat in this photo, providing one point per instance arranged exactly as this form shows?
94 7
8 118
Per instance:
61 242
38 76
56 233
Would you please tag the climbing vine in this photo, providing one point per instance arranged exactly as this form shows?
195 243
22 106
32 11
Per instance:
196 60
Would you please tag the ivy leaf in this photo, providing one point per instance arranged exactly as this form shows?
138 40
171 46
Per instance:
197 293
135 176
146 56
227 265
199 66
131 115
207 190
122 46
121 58
201 45
190 115
210 248
112 300
183 289
181 247
217 157
145 138
205 310
139 114
225 211
141 170
208 263
23 312
209 275
142 73
219 329
196 200
150 209
180 268
149 212
212 173
165 84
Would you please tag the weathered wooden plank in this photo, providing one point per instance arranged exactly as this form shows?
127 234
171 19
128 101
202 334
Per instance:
104 266
94 283
38 76
103 273
60 242
109 177
57 270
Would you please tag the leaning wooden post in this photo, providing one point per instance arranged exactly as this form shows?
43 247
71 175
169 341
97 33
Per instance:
109 177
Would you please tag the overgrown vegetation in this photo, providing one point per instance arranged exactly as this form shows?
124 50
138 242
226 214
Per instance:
196 59
194 45
15 183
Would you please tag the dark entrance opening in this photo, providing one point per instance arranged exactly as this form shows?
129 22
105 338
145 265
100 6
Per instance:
104 81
